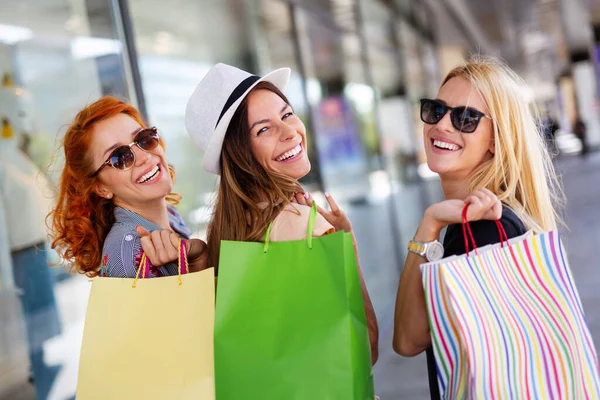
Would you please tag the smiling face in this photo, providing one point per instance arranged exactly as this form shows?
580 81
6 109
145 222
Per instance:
277 135
146 181
453 154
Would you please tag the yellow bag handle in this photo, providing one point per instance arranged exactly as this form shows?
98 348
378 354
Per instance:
181 259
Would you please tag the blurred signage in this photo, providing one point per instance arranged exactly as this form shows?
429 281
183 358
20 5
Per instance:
341 155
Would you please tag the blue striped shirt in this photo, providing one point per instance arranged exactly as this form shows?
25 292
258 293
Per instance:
122 248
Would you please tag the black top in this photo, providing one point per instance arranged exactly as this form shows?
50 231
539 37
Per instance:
484 232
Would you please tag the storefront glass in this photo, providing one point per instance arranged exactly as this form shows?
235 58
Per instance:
342 104
55 57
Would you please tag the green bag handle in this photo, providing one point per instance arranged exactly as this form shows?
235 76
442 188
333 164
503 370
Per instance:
309 235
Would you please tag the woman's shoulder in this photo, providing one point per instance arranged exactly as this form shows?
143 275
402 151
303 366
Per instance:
120 232
177 223
292 224
173 211
121 251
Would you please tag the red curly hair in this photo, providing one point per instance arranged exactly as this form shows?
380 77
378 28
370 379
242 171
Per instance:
81 219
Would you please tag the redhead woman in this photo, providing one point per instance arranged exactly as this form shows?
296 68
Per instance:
116 197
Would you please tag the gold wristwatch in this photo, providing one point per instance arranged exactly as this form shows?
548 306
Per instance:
432 251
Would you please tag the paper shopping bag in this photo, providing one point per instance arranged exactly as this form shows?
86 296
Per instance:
290 321
151 341
507 323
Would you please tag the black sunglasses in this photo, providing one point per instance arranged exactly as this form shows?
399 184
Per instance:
464 119
123 158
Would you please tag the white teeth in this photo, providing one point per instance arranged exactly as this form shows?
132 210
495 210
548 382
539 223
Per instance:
149 175
292 153
445 145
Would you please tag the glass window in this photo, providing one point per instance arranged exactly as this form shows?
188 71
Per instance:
394 110
415 78
174 55
342 104
405 6
55 57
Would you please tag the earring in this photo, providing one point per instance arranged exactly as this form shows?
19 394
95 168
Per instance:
109 196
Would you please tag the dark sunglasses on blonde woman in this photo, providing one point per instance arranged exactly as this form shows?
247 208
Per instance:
123 157
464 119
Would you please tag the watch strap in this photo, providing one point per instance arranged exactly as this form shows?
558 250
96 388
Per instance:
417 247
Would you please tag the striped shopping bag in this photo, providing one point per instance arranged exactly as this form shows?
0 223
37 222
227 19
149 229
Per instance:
507 323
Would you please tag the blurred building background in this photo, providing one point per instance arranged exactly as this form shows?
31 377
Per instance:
359 70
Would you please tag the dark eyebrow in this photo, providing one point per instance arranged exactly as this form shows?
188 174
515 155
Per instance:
114 146
264 121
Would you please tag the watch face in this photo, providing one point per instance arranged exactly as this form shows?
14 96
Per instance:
435 251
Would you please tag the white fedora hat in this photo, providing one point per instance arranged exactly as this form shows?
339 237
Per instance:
212 105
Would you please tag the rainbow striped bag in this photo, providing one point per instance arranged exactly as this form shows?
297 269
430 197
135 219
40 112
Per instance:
507 323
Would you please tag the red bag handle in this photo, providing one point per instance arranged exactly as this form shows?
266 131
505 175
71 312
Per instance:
467 231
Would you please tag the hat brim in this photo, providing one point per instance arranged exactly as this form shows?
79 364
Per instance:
212 156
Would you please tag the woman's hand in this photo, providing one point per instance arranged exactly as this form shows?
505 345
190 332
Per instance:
336 216
483 204
162 247
339 220
411 326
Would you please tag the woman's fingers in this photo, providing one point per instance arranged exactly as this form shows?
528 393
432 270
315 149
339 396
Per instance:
493 205
326 214
300 198
308 199
171 244
497 206
497 209
484 205
309 202
485 199
142 231
160 246
489 193
475 206
335 209
148 248
336 217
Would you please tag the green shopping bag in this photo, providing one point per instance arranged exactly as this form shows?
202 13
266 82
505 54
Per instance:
290 321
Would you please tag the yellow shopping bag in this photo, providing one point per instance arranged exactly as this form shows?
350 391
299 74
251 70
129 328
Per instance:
149 338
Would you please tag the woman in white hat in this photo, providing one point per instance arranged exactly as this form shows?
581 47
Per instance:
254 141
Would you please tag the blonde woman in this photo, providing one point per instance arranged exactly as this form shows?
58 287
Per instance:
481 137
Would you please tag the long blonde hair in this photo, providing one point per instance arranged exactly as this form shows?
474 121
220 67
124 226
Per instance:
521 173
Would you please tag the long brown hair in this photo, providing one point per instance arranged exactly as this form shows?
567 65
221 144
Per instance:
249 196
81 219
